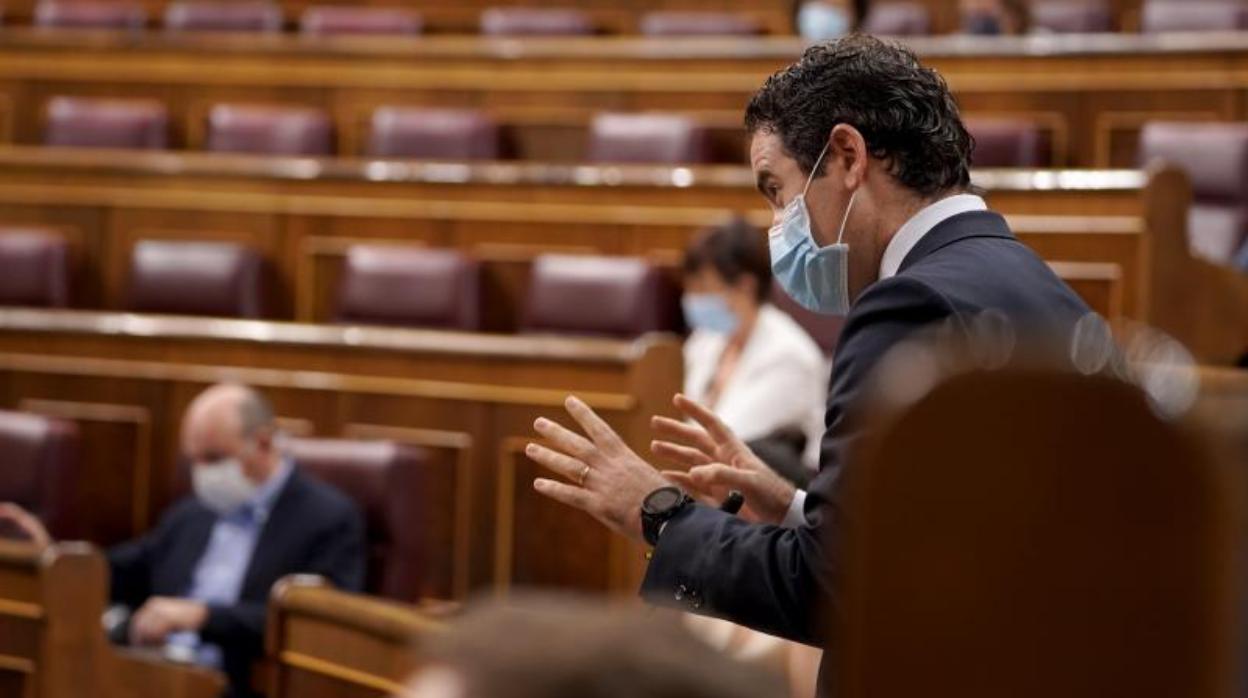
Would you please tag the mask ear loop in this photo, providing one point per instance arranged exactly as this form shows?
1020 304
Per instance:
815 169
845 220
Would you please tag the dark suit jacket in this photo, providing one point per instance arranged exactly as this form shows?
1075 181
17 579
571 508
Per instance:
777 579
312 529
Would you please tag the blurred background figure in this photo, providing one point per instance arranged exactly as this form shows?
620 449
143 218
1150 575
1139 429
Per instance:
995 17
197 585
820 20
586 649
747 360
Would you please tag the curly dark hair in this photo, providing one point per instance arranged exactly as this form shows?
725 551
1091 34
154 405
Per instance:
733 249
904 111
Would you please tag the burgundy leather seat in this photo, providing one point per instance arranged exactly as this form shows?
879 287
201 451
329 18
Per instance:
1071 16
610 296
86 122
90 14
670 139
1008 143
412 286
34 267
270 130
535 21
323 20
898 19
1215 157
417 132
386 481
197 278
227 15
699 24
1193 15
39 471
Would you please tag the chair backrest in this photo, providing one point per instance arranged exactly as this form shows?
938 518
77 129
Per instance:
535 21
93 14
323 20
50 607
671 139
611 296
898 19
270 130
386 481
1008 143
34 267
368 644
226 15
197 278
85 122
668 23
419 132
1071 16
412 286
40 468
1014 531
1215 158
1193 15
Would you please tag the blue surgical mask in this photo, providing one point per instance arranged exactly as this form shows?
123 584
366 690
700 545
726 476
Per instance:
817 278
819 22
709 312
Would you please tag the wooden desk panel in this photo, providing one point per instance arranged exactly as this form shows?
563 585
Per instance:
1091 94
472 396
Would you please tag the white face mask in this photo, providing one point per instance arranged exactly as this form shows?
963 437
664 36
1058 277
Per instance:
222 486
816 277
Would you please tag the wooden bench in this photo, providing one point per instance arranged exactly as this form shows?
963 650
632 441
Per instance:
469 400
1090 94
51 641
1118 236
333 644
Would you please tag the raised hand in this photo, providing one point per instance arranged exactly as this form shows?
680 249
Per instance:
718 462
606 479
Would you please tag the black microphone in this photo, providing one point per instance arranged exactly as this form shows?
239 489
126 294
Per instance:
733 503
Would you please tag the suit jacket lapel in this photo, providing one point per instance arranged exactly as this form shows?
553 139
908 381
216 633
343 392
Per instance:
972 224
267 555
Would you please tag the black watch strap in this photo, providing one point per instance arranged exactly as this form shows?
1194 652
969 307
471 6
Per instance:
658 508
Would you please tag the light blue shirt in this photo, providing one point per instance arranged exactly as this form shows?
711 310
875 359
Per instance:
218 576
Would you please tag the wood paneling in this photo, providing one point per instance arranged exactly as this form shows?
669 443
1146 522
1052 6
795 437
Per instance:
324 642
474 397
1089 93
306 212
52 644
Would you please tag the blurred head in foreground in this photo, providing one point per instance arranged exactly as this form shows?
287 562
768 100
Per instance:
552 647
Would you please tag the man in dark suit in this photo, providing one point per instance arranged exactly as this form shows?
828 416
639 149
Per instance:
200 580
862 155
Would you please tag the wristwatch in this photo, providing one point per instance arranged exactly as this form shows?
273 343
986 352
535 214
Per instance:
658 508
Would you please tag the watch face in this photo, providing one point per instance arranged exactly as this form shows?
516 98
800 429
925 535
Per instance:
663 499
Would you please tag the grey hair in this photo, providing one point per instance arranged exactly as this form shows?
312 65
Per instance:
254 412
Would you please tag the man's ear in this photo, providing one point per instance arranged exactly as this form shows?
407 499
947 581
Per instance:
848 147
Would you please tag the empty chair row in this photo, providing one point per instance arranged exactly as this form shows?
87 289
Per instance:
393 285
395 132
430 133
904 18
261 16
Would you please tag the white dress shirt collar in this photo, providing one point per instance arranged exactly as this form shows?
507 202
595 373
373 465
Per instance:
920 224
